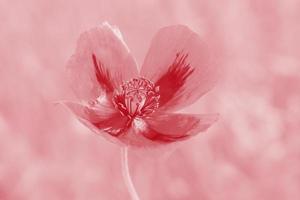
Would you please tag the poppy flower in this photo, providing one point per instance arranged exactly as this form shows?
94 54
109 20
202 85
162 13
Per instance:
138 108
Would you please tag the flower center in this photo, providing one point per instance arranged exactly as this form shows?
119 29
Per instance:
137 97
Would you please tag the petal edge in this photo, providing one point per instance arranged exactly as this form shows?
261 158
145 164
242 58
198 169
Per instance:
183 126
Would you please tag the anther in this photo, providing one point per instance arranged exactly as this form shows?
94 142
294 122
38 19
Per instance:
137 97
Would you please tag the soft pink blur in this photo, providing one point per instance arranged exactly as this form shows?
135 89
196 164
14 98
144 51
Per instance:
252 152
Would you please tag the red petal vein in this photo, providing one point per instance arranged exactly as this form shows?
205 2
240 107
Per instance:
102 75
174 78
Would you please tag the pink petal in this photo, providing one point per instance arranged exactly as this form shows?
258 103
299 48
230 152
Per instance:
178 61
100 118
102 61
165 127
133 138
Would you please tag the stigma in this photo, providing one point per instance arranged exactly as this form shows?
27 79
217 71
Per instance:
138 97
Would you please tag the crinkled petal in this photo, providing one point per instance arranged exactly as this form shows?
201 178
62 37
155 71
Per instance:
100 118
166 127
179 62
101 62
133 138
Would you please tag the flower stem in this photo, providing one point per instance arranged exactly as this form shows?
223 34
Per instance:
126 174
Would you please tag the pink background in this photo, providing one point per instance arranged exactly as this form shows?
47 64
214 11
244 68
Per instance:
253 152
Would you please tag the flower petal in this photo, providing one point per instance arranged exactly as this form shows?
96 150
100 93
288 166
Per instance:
100 118
178 61
102 61
165 127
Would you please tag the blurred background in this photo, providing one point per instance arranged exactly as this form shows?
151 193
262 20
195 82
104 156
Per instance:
252 152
